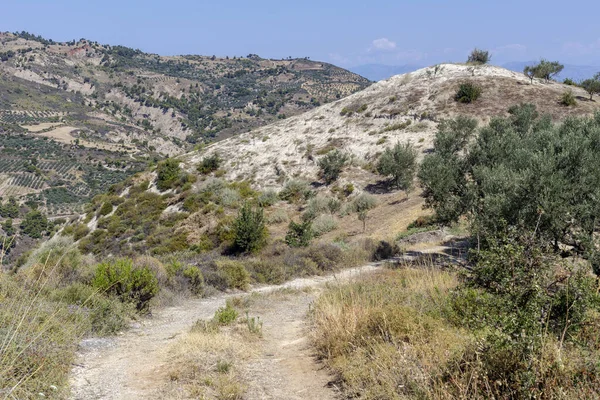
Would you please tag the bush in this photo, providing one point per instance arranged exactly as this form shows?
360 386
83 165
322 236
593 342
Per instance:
120 278
400 163
236 276
567 99
226 315
331 165
478 56
467 92
250 232
323 224
363 202
295 190
268 198
299 234
267 271
105 209
195 280
168 174
385 251
210 164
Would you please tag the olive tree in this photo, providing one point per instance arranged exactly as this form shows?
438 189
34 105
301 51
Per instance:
592 86
478 56
400 164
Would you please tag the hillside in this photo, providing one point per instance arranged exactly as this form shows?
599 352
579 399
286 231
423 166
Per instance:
403 108
197 209
82 116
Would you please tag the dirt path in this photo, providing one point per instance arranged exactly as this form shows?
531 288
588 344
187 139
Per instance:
126 367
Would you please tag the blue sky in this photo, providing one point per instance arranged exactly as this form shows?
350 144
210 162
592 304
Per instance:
347 33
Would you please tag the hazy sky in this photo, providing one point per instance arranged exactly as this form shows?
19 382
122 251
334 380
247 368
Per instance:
347 33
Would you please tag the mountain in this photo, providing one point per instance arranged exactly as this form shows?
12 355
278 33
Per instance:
77 117
575 72
378 72
197 210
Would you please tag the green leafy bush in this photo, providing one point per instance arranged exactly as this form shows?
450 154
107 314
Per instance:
195 280
295 190
168 174
235 274
226 315
331 165
478 56
568 99
467 92
120 278
250 231
299 234
210 164
399 163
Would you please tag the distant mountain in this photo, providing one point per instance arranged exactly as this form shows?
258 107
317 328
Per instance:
378 72
575 72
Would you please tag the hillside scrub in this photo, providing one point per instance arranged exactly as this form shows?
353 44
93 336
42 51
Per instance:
467 92
423 332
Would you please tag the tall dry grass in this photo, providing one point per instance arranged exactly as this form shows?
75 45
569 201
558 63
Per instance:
384 336
38 336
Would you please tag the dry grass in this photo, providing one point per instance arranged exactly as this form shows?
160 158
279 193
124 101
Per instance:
384 336
38 337
208 362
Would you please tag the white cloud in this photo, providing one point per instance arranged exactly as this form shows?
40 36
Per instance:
578 48
383 44
511 48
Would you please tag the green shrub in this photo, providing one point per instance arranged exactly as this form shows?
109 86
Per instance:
105 209
299 234
35 224
295 190
168 174
478 56
120 278
568 99
210 164
235 274
331 165
267 271
467 92
226 315
195 280
250 232
268 198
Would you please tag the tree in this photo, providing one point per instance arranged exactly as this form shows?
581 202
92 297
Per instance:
8 228
299 234
10 209
522 173
530 71
331 165
592 86
168 173
544 70
35 224
399 163
478 56
249 229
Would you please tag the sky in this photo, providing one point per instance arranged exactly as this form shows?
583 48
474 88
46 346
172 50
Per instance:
347 33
